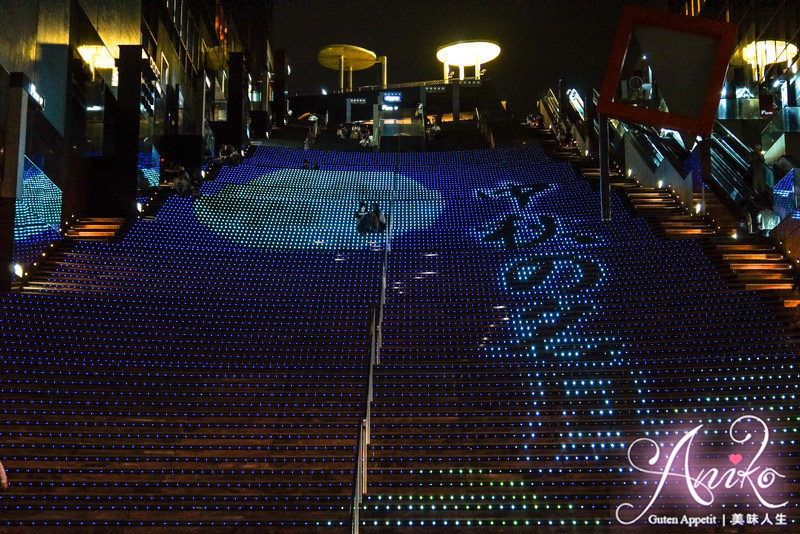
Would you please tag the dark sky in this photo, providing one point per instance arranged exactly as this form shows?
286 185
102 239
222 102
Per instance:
541 40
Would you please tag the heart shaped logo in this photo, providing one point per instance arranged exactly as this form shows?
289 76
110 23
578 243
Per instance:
735 458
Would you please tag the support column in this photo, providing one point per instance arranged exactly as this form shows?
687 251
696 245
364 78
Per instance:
703 150
461 72
383 61
341 74
13 170
477 70
279 106
446 72
238 104
350 84
120 187
456 101
605 175
200 91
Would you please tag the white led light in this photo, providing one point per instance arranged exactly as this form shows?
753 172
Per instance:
467 53
18 270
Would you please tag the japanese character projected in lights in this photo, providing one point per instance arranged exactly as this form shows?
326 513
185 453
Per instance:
553 290
518 229
317 213
554 295
552 281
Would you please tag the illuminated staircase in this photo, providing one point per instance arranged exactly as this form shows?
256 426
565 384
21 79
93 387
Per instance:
95 228
211 376
758 264
761 266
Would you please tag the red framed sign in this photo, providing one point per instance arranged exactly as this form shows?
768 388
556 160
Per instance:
672 27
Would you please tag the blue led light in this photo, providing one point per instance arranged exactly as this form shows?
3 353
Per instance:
210 367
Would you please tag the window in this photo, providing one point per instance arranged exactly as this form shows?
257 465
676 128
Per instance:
164 71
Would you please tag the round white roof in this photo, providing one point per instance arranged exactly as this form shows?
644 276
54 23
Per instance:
466 53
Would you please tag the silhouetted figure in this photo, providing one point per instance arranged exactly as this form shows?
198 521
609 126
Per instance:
182 182
225 152
378 219
235 159
363 219
197 181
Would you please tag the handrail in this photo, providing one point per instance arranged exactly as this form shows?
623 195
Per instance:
387 245
551 102
401 85
737 145
376 337
360 485
729 180
359 488
730 155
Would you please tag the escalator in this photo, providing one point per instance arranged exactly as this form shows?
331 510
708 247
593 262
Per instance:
731 175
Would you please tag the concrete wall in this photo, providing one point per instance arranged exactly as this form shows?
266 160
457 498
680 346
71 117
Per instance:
788 143
18 40
52 60
636 165
671 177
116 21
665 173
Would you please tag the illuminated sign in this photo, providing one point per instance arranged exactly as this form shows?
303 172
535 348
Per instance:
742 473
392 98
576 101
36 96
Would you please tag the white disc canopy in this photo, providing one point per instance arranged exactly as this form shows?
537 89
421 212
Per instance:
467 54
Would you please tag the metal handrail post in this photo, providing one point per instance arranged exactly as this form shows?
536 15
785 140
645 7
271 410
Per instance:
363 462
359 483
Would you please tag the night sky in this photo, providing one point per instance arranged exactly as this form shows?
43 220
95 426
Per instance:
541 40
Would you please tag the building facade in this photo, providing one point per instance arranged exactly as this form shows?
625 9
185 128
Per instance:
95 94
